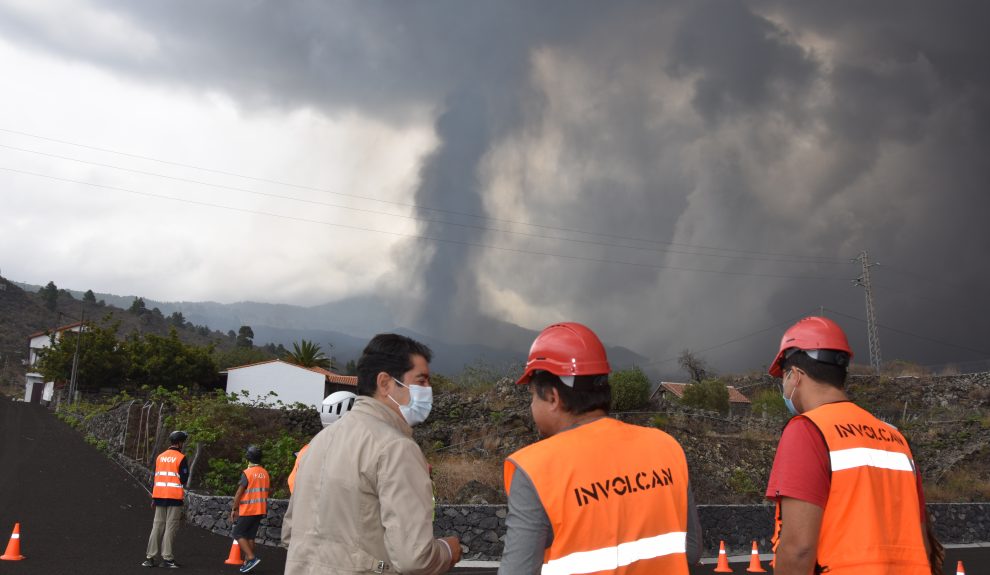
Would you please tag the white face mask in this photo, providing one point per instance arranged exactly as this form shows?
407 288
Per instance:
420 403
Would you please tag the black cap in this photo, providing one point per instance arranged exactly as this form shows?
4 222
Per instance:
177 437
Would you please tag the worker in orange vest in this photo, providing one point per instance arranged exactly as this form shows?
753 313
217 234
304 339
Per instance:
168 492
848 493
295 469
596 495
338 407
250 505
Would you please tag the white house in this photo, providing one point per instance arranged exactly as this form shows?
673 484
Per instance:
292 383
36 389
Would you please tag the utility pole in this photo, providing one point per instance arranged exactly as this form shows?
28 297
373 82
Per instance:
73 378
871 316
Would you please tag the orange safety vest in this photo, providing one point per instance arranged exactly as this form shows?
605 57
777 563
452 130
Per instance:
295 468
167 484
616 497
254 501
872 521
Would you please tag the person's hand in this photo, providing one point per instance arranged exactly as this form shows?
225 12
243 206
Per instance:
233 515
455 549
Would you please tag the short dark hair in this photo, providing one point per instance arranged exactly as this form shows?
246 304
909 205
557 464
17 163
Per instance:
590 392
834 375
388 352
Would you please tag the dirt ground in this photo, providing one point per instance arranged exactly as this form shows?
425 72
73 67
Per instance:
81 514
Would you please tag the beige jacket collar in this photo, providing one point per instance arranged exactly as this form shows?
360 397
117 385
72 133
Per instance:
378 410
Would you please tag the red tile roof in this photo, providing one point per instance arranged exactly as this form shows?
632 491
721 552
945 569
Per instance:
335 377
735 396
57 330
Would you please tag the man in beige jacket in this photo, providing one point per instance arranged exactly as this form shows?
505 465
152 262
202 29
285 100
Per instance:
363 498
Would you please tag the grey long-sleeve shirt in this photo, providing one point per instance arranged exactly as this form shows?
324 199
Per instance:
529 531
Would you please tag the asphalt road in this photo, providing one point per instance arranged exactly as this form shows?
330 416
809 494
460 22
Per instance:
80 513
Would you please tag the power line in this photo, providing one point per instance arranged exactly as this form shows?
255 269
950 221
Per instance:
953 304
414 218
418 236
941 281
737 339
811 258
903 332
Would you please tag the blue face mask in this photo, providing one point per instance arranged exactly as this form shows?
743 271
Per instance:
788 400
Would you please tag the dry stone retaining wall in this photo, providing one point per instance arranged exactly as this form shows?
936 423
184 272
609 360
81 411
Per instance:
482 527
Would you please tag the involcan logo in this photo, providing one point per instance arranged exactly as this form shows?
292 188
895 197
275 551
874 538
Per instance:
621 485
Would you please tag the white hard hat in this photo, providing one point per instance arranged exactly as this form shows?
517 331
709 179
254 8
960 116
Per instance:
335 406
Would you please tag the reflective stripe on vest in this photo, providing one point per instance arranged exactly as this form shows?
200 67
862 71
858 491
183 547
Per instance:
255 498
166 480
615 495
872 520
867 457
610 558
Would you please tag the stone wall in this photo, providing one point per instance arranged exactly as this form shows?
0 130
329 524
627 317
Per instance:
482 527
213 513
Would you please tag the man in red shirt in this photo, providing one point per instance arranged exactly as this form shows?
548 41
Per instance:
848 494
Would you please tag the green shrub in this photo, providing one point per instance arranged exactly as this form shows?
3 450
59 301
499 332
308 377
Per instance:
223 476
630 389
659 421
710 394
742 483
769 402
100 444
279 457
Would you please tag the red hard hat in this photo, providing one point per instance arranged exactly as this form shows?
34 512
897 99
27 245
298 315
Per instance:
808 334
566 349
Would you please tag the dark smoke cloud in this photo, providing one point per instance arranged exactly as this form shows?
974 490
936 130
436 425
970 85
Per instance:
764 127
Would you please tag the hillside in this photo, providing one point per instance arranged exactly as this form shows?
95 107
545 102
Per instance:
345 326
946 419
24 313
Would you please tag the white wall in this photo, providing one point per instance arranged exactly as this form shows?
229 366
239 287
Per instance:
40 342
290 382
46 393
37 344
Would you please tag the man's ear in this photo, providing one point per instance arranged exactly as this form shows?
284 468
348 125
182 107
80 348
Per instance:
553 398
384 383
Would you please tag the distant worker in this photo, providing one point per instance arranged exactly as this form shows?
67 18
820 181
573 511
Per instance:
335 406
848 493
362 498
596 495
250 505
168 492
295 469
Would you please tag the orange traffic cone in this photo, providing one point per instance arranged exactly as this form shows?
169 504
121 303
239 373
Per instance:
754 561
13 552
959 569
235 555
723 560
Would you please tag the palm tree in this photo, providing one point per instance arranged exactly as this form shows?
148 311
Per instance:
308 354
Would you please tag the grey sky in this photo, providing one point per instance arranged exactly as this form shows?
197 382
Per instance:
610 149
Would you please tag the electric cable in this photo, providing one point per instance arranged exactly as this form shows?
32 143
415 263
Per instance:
903 332
419 236
414 218
811 258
